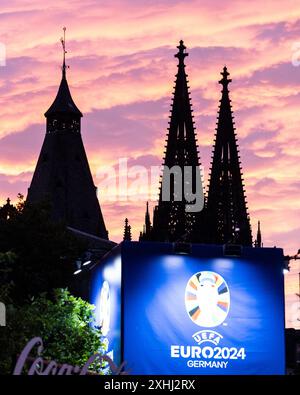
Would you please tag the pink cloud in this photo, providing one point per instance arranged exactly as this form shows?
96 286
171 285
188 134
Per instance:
121 77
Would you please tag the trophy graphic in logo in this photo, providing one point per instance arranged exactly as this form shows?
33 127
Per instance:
207 299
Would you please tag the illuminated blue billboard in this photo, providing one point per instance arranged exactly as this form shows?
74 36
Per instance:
105 294
201 312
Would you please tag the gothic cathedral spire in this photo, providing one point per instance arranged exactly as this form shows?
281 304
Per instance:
147 229
227 216
258 242
172 219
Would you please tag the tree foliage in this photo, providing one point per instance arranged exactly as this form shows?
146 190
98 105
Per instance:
36 253
37 257
64 324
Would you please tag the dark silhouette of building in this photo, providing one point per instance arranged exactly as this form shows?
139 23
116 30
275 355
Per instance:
226 212
7 211
127 231
224 218
292 347
171 220
62 174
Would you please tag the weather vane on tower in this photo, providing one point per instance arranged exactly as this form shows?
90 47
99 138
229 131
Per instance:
63 43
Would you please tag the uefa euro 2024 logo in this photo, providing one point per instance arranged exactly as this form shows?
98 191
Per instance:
207 302
207 299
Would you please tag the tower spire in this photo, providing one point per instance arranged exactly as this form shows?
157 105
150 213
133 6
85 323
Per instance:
147 228
224 81
171 220
127 231
181 54
147 220
227 216
258 241
63 112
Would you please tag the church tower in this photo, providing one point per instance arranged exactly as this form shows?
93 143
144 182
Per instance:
181 183
227 217
62 174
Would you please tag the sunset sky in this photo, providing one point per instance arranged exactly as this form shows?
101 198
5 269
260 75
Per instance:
121 76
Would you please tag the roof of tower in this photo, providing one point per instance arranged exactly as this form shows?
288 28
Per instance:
63 103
